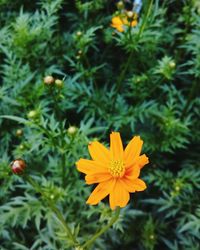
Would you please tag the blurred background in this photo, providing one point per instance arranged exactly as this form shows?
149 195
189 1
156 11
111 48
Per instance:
72 72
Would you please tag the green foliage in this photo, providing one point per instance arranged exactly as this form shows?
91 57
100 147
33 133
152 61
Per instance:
143 81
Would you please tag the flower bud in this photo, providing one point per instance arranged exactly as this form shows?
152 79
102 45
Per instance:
52 196
32 114
152 237
59 83
19 132
48 80
21 147
72 130
120 5
78 33
172 64
130 14
18 166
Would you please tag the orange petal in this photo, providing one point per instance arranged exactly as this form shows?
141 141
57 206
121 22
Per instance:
133 185
96 178
116 147
99 152
100 192
134 23
128 185
119 28
132 172
142 160
139 185
119 196
90 167
125 21
133 150
116 20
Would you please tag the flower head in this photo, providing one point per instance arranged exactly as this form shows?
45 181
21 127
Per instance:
119 23
116 170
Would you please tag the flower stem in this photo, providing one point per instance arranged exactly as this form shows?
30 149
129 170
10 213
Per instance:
145 19
104 229
123 72
56 211
190 97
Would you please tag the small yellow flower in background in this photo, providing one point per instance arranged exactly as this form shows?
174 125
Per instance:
119 23
116 170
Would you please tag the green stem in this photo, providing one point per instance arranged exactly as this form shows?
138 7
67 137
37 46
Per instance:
63 169
56 211
190 97
63 157
121 77
104 229
145 19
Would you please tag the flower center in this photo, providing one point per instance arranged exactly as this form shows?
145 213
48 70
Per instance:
117 168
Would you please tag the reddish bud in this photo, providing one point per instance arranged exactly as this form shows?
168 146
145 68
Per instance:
18 166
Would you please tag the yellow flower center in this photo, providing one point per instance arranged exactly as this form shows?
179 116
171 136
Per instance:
117 168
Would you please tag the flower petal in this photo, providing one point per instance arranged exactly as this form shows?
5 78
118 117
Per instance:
119 196
132 172
139 185
142 160
133 185
134 23
133 150
116 20
99 152
90 167
116 147
100 192
96 178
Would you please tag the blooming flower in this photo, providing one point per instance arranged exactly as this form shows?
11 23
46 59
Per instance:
116 170
120 22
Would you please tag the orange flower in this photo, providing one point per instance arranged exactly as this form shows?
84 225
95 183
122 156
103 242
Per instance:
116 170
119 23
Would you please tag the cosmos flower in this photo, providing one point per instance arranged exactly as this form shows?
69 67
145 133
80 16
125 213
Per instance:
116 170
119 23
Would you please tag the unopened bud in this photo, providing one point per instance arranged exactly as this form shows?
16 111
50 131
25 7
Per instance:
177 188
130 14
172 64
52 196
80 52
120 5
78 33
21 147
59 83
152 237
48 80
138 80
18 166
72 130
19 132
32 114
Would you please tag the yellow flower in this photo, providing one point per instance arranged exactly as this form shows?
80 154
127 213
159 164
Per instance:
119 23
116 170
